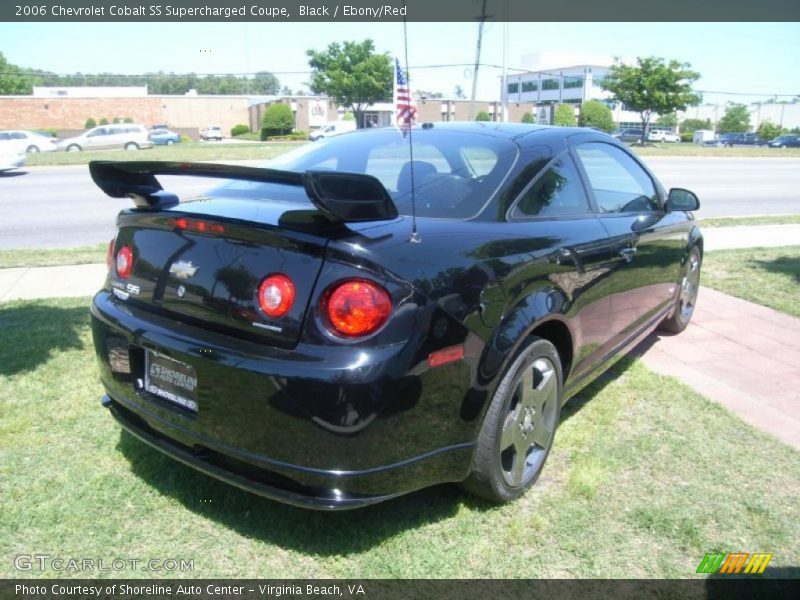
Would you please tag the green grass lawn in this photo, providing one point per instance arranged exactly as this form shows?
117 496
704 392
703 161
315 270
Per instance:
757 220
689 149
767 276
194 151
45 257
645 478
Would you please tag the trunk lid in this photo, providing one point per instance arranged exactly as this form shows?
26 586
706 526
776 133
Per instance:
204 269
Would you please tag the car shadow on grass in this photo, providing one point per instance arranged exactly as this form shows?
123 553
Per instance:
309 531
32 331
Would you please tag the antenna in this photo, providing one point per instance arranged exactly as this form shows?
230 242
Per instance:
415 238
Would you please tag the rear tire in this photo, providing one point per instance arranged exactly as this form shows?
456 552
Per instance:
73 148
687 294
170 142
519 427
32 149
131 146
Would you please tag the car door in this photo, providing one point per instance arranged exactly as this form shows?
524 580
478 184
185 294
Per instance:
554 212
645 241
97 139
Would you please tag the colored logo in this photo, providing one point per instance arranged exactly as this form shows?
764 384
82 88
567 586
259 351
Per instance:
732 563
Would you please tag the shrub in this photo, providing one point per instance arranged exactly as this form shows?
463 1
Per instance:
103 121
528 118
117 120
278 120
565 116
687 136
50 131
596 114
290 137
239 130
90 122
769 130
127 120
483 116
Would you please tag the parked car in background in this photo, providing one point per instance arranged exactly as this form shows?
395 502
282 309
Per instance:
785 141
11 159
628 135
729 140
212 133
296 332
663 136
331 129
27 141
161 137
126 136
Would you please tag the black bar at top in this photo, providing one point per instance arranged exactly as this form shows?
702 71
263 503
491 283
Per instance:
392 11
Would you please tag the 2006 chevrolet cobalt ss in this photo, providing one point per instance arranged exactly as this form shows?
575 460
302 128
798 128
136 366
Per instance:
351 324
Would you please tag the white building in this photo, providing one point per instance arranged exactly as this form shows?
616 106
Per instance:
89 92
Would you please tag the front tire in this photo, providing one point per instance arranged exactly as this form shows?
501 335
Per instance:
32 149
687 294
170 142
518 430
73 148
131 146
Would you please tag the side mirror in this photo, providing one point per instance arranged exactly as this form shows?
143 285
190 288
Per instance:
680 199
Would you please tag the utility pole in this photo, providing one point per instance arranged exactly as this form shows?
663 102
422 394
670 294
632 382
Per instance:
504 94
481 20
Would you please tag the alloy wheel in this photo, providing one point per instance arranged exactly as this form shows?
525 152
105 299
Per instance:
689 286
530 422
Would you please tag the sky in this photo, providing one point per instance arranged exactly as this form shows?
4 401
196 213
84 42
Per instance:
749 61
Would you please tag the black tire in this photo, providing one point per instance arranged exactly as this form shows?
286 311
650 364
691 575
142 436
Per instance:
32 149
501 472
170 142
131 146
686 298
74 148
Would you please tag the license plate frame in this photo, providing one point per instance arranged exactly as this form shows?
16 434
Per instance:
170 380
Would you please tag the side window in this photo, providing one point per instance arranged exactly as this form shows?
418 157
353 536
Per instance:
555 193
619 184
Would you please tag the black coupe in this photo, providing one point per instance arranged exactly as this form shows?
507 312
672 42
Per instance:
353 323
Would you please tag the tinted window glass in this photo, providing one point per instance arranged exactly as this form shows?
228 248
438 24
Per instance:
618 182
455 174
18 135
556 192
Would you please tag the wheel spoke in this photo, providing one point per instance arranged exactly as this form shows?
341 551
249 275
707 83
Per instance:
546 389
527 388
518 468
541 433
509 436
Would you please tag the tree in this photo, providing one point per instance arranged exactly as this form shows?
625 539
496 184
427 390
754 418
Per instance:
265 83
692 125
483 116
769 130
668 120
528 118
564 116
652 87
12 80
735 120
352 74
278 119
596 114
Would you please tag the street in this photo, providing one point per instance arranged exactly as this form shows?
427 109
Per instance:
60 207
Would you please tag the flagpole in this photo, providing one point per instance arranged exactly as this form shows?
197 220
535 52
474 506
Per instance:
394 94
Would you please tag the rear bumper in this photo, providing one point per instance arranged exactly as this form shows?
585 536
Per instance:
301 427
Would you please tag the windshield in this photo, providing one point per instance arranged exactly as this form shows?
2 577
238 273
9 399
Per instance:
454 173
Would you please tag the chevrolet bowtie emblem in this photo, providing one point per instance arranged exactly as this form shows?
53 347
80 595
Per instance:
183 269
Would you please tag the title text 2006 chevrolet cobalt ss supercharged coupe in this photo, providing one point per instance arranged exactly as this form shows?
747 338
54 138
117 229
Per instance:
294 333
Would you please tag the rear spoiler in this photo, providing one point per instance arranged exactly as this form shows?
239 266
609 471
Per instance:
343 197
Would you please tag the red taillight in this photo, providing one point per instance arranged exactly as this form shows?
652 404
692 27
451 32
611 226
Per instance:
124 262
199 226
110 255
357 307
276 295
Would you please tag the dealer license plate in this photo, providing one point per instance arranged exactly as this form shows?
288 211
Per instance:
171 380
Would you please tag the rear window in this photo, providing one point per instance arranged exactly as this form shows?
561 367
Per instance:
454 173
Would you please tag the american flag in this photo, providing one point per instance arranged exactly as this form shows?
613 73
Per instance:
406 108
